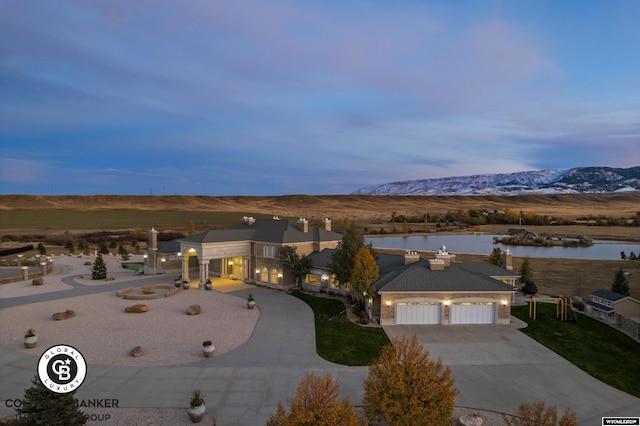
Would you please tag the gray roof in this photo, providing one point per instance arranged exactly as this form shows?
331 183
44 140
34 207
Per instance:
169 247
460 276
275 231
599 306
608 295
395 276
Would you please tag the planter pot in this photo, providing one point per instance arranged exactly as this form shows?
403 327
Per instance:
177 283
196 414
30 342
208 286
251 304
185 285
208 350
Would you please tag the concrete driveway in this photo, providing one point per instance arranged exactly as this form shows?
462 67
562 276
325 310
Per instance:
497 367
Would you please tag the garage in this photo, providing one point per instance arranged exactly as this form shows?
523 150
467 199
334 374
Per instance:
473 313
418 313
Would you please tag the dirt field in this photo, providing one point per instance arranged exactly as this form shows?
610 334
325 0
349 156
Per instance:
553 276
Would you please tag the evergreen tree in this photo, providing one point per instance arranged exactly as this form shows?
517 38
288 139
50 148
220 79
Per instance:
123 252
496 257
103 248
191 228
99 270
69 246
44 407
342 258
42 249
299 266
620 283
526 274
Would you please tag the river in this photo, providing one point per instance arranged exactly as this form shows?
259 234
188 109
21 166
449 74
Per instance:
483 244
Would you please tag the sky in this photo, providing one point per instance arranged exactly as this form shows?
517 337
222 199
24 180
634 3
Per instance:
278 97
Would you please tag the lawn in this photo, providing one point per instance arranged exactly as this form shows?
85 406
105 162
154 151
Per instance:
338 339
596 348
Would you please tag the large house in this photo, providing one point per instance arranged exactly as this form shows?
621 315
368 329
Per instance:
409 290
247 251
412 290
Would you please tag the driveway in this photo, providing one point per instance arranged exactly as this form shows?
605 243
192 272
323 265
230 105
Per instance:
498 368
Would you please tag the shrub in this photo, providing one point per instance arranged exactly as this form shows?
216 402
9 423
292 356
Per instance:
536 415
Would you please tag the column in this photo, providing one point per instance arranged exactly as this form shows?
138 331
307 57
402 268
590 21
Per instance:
20 256
25 272
185 268
43 268
203 277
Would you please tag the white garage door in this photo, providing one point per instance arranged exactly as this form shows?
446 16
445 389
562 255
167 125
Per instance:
417 313
472 313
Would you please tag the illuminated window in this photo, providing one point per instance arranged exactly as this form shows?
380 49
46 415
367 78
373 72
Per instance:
264 275
274 276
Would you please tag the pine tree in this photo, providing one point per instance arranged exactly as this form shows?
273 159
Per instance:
44 407
526 274
99 270
620 283
191 228
42 249
496 256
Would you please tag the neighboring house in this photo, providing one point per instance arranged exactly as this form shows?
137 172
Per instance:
247 251
411 290
605 305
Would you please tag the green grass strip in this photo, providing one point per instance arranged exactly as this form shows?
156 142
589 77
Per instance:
594 347
338 339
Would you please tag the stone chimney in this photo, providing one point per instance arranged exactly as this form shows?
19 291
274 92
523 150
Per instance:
436 264
445 256
326 224
248 220
411 257
508 259
153 239
303 224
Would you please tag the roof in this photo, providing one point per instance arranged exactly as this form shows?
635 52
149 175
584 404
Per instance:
600 306
608 295
275 231
460 276
395 276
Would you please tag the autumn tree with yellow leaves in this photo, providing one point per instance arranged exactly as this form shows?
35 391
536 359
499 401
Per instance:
406 387
317 402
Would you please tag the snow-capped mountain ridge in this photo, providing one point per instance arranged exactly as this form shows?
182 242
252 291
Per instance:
565 181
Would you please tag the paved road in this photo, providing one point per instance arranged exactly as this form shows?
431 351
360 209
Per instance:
495 367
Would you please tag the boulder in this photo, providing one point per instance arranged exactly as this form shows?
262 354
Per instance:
470 420
137 352
38 281
194 310
59 316
138 309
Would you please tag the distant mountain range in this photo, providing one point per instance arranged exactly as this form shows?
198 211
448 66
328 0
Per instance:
570 181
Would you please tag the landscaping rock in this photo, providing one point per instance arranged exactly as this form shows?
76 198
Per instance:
137 352
38 281
194 310
470 420
138 309
59 316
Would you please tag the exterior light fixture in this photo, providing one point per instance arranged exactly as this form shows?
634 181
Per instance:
504 302
447 302
257 271
163 260
388 303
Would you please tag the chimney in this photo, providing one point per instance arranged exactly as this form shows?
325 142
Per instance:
411 257
248 220
326 224
303 224
444 255
153 239
508 259
436 264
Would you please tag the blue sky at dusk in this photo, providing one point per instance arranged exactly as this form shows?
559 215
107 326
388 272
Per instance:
317 97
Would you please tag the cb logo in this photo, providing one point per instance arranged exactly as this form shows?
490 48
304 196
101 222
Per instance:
62 369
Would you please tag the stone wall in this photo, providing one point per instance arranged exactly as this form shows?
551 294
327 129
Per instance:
628 326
